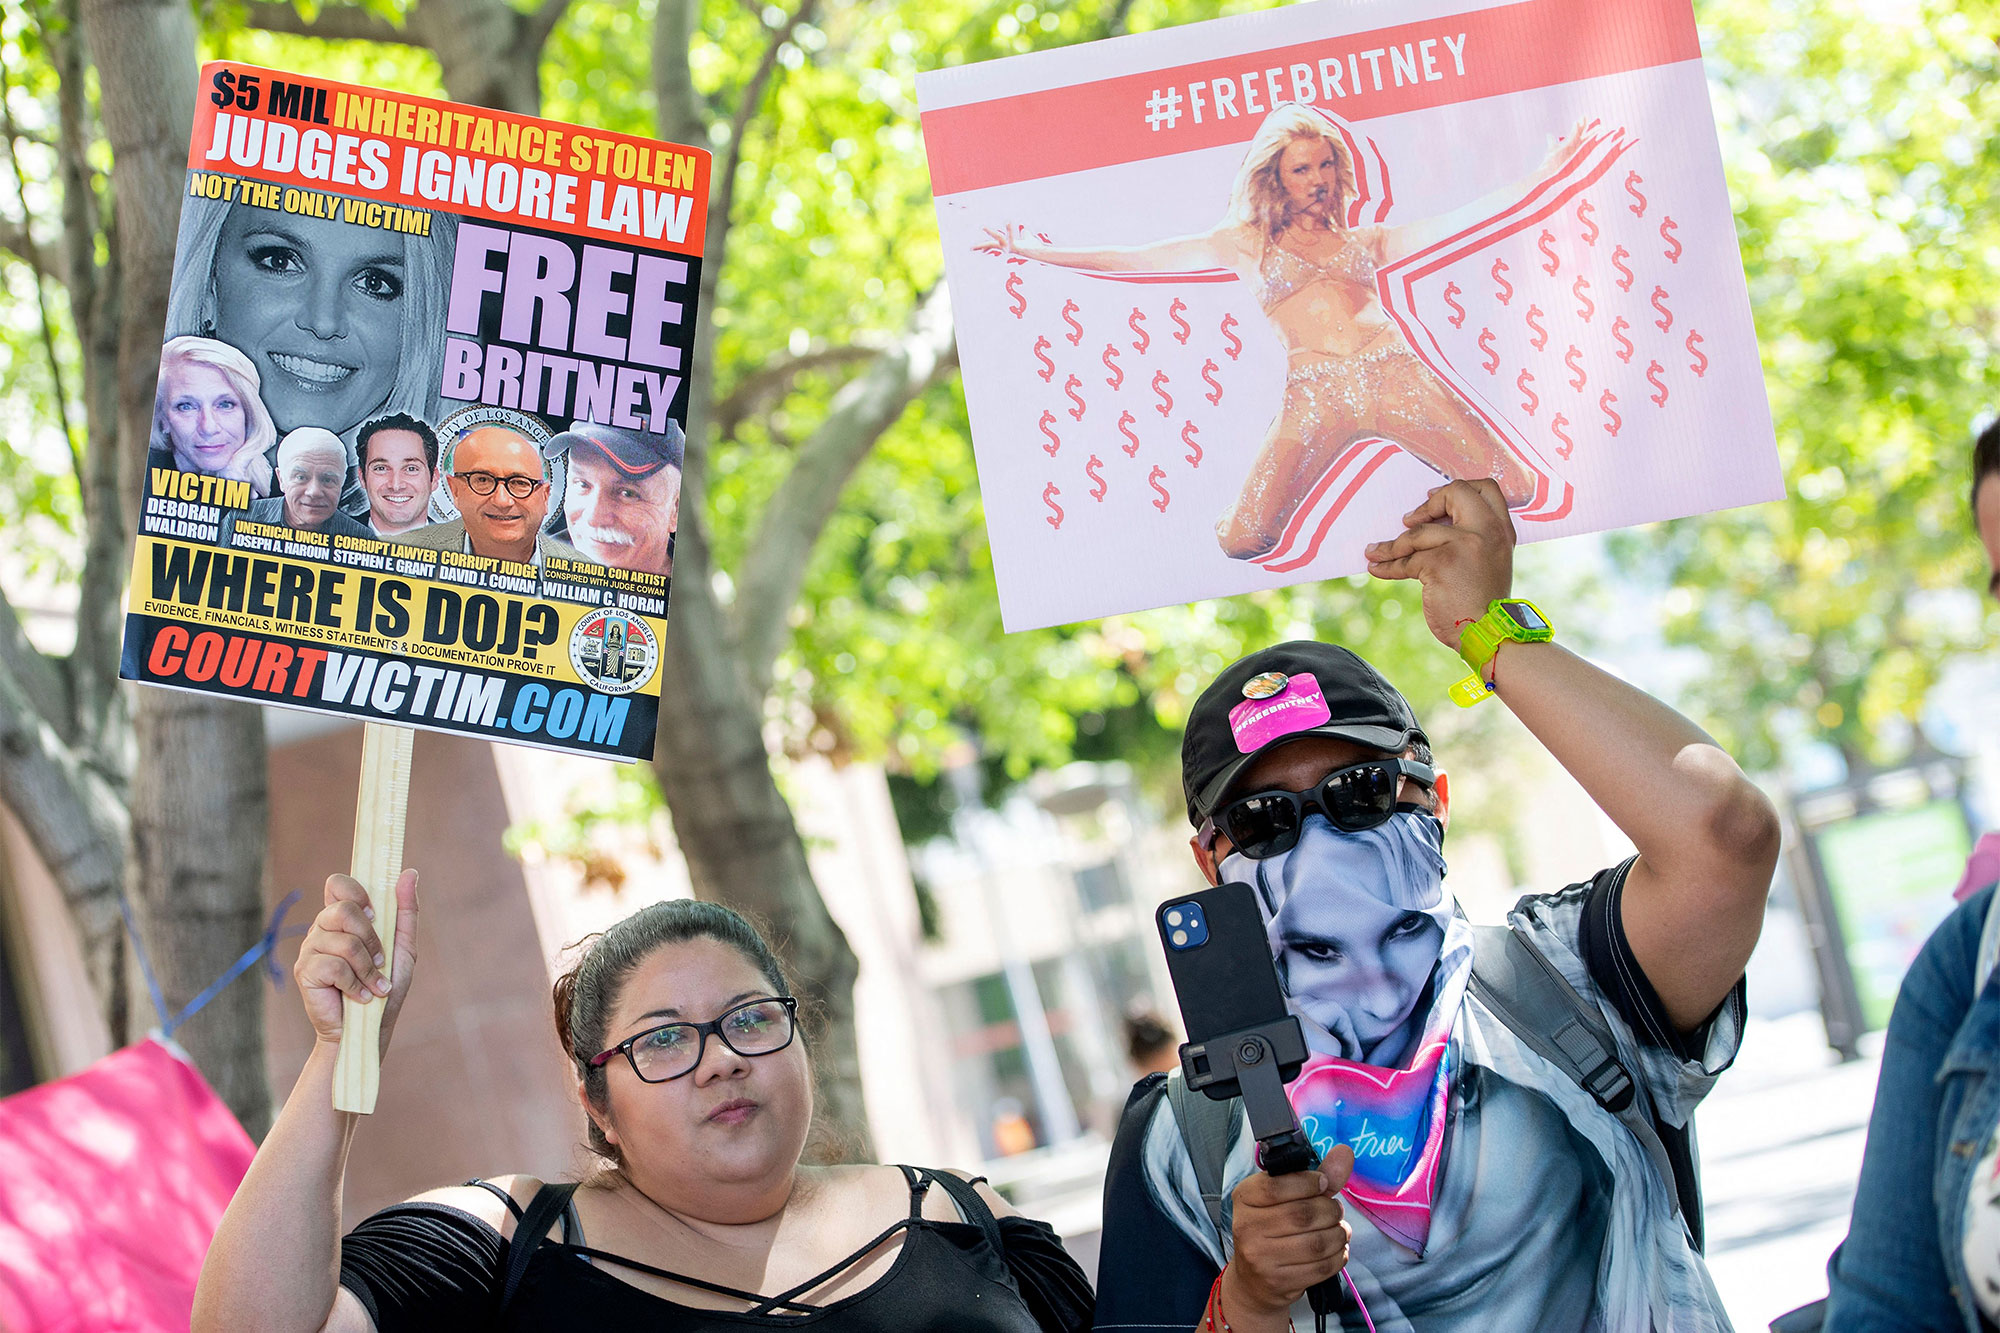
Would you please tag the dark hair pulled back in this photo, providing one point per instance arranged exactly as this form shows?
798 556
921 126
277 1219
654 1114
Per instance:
586 994
1985 462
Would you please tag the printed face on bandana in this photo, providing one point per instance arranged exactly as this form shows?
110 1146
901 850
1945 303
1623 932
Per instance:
1356 922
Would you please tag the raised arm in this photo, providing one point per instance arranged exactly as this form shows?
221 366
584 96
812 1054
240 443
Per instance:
1707 837
275 1261
1228 246
1405 239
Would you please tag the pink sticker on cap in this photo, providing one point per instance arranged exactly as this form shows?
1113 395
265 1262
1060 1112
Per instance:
1300 706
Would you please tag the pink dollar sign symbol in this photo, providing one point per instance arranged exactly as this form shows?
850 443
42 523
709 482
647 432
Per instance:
1075 334
1568 446
1070 387
1604 405
1529 400
1618 256
1666 320
1049 494
1235 348
1533 320
1457 315
1182 328
1136 323
1153 479
1571 359
1618 327
1166 403
1098 489
1667 229
1110 359
1048 370
1208 369
1700 363
1653 369
1584 209
1632 181
1016 302
1492 362
1188 432
1125 420
1505 292
1048 420
1585 307
1545 243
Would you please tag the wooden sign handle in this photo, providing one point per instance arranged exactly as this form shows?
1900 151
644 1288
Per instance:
379 812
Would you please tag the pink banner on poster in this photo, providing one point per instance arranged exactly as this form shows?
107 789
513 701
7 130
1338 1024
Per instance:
111 1185
1230 297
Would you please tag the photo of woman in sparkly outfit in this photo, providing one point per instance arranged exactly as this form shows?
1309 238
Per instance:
1292 232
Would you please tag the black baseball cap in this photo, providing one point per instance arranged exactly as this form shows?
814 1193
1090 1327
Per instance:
636 453
1280 693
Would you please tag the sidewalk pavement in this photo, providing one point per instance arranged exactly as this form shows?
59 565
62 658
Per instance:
1781 1139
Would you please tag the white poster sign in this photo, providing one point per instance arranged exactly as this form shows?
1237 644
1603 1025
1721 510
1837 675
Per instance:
1232 296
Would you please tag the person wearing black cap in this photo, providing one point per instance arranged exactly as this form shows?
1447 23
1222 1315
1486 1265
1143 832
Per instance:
1468 1182
623 499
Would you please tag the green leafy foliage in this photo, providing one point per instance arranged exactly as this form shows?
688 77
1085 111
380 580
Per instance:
1861 155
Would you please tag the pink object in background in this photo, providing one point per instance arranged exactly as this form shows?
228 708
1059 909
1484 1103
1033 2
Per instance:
111 1185
1981 868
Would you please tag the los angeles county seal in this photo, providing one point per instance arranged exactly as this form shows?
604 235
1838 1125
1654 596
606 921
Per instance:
614 651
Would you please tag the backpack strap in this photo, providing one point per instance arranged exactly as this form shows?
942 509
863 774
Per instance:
1208 1129
970 1206
1536 1002
549 1203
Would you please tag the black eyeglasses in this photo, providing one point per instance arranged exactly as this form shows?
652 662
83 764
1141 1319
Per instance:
672 1050
485 483
1353 799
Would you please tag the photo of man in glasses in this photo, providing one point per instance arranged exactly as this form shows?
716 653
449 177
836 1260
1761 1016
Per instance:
1468 1182
499 481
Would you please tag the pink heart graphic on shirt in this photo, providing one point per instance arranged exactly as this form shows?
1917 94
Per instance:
1394 1120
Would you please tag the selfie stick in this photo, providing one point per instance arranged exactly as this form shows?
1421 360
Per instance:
1252 1057
379 812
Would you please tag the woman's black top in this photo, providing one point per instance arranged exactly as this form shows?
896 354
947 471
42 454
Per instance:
431 1267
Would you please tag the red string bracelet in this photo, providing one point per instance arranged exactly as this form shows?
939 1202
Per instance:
1212 1311
1212 1316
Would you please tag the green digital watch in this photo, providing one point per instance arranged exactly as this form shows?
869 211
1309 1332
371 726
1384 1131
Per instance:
1507 620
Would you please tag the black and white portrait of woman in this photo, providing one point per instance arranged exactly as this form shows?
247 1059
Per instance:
343 322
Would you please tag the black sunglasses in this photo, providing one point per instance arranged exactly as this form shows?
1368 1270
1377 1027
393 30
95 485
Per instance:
673 1050
1353 799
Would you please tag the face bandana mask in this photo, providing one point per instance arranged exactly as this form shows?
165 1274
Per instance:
1363 934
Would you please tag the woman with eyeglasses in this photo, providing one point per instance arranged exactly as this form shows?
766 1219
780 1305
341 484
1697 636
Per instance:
703 1216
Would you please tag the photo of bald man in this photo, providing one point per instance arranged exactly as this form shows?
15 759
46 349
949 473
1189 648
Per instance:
623 499
500 483
313 464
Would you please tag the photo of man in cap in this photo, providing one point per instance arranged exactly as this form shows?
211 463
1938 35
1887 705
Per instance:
622 503
500 482
1469 1181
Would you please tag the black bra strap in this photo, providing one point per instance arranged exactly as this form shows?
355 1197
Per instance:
764 1304
969 1203
501 1195
549 1202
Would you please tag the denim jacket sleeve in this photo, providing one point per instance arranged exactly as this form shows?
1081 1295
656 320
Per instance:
1892 1272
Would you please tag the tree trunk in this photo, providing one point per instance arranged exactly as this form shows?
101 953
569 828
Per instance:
737 834
199 814
199 803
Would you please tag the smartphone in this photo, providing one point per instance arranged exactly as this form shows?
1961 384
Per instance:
1220 960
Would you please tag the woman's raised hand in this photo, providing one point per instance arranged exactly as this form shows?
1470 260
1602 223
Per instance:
342 957
1000 242
1566 147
